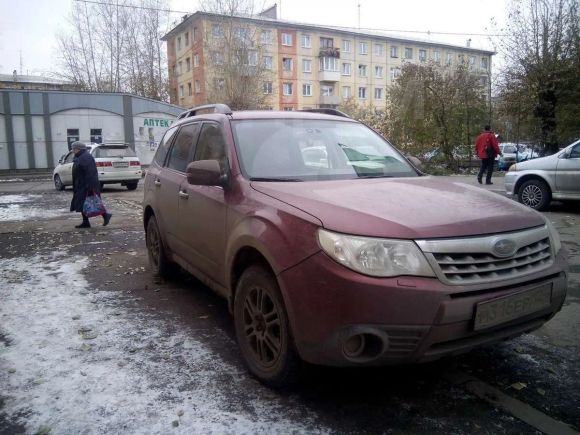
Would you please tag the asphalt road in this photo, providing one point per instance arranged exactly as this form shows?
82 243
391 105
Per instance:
91 342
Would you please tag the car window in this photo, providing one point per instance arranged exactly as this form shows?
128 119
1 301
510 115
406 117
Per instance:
69 157
509 149
164 146
183 147
575 152
303 149
211 145
113 151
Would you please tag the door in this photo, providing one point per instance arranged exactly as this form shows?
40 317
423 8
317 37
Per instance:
203 211
167 184
72 135
65 171
568 173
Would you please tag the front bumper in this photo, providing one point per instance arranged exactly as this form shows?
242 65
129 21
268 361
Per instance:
405 319
510 182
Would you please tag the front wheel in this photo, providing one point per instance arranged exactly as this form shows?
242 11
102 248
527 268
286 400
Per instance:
58 184
535 194
131 186
263 330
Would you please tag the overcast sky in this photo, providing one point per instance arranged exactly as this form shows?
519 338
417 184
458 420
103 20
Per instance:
28 27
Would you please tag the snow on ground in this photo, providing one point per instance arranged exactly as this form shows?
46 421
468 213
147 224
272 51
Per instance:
26 207
11 180
75 360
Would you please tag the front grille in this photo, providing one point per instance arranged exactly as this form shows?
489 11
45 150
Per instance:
473 261
403 343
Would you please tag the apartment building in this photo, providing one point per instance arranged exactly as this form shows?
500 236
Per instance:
311 66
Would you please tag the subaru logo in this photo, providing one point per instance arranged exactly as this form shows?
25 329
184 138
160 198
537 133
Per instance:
504 248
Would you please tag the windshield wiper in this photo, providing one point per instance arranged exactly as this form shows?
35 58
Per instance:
375 176
274 179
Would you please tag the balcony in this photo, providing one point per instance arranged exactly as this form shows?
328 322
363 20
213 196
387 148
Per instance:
331 100
329 76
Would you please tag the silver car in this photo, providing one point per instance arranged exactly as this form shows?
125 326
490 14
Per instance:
536 182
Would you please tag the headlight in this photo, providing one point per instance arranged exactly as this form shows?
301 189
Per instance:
554 237
513 168
375 257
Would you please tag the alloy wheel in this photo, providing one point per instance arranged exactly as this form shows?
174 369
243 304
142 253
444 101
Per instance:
532 195
154 245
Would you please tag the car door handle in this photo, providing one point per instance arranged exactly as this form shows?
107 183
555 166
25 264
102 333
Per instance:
183 195
157 183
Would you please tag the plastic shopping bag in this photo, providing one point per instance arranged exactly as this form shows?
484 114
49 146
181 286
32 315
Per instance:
93 206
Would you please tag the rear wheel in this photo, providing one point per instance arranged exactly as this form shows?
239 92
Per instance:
535 194
157 258
132 186
58 185
263 330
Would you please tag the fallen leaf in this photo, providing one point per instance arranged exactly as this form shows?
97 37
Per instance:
519 349
11 370
180 413
175 423
85 347
541 392
551 370
203 317
43 430
518 386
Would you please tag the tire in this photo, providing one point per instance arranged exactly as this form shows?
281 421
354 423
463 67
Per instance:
58 184
535 194
102 185
262 329
132 186
156 252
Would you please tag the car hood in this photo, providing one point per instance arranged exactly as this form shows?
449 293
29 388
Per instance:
548 163
410 208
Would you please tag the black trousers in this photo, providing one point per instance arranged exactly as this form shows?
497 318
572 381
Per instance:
486 165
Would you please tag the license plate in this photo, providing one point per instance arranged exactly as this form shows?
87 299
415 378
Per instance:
506 308
120 164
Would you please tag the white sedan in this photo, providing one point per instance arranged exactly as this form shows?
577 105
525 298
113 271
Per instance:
116 164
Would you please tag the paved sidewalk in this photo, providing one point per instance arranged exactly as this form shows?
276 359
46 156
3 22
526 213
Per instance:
497 186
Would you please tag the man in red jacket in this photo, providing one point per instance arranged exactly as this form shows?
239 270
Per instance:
487 148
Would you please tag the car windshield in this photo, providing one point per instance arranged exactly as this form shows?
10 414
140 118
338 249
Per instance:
509 149
114 151
303 150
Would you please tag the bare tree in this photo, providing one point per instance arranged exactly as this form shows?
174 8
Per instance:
541 50
116 47
237 55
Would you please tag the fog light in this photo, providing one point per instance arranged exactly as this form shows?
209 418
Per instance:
354 346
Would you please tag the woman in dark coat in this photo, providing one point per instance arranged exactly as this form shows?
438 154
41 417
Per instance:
85 182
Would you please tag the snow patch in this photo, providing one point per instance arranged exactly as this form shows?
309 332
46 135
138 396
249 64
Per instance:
22 207
77 361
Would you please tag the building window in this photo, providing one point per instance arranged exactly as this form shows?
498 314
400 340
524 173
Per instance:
219 84
362 70
216 31
287 63
306 65
408 53
188 64
379 71
394 51
327 90
395 72
307 89
266 37
471 61
195 60
328 64
252 57
460 59
378 93
186 39
96 135
306 41
346 92
268 63
484 63
437 57
422 55
268 88
242 33
346 45
174 70
362 92
197 87
362 47
195 34
326 43
189 90
288 109
483 80
180 68
181 92
179 43
287 88
379 49
346 69
449 59
287 39
217 56
72 135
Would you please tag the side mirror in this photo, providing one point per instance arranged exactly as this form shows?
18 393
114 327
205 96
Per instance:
415 162
205 173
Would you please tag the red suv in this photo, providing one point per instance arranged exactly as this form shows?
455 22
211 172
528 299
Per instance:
332 248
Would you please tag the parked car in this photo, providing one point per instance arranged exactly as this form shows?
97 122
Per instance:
331 248
536 182
116 163
508 157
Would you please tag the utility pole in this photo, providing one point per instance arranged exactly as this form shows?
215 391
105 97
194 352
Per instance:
359 16
20 51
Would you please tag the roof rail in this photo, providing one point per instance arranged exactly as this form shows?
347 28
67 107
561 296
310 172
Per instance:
327 111
207 108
